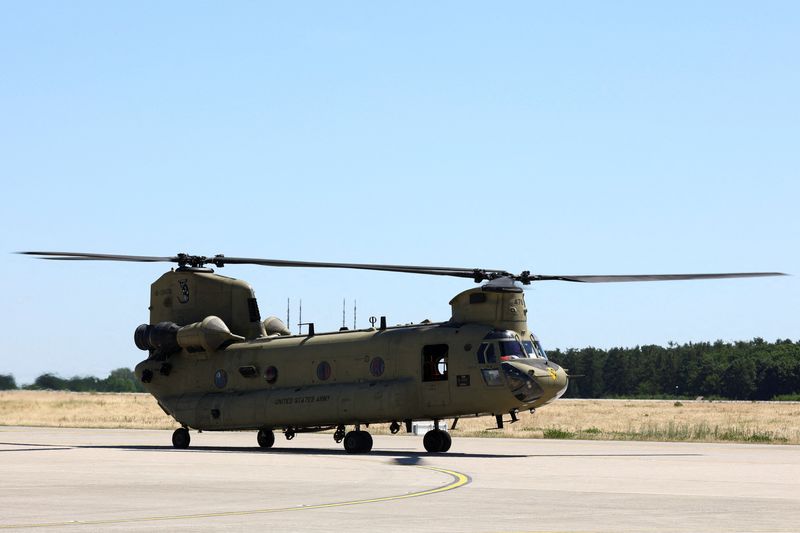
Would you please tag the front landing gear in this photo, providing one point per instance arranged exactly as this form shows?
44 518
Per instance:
266 438
357 442
437 441
180 438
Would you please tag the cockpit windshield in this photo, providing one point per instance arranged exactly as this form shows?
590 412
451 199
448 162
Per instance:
501 345
512 349
534 348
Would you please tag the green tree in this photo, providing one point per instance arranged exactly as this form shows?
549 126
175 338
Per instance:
7 382
122 380
49 382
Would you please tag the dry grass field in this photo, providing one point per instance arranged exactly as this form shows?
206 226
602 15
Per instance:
662 420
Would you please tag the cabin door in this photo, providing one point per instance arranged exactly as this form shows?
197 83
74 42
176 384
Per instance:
435 376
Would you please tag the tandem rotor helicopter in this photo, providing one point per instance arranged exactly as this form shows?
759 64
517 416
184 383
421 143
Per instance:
214 365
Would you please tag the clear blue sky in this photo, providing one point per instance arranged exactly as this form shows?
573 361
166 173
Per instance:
564 138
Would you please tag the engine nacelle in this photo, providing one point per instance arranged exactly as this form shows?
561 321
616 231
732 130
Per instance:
165 338
208 335
275 326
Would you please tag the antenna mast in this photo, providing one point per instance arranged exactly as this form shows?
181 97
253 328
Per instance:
355 304
288 324
343 304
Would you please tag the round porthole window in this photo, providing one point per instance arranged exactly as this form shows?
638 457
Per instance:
323 371
271 374
220 379
377 366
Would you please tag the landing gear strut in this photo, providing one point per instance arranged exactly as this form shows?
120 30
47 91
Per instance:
180 438
266 438
437 441
357 442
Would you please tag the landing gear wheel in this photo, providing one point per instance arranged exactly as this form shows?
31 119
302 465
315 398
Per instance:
266 438
180 438
338 435
357 442
366 442
437 441
448 441
351 442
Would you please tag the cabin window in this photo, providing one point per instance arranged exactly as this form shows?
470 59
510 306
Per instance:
323 371
377 366
271 374
220 379
434 362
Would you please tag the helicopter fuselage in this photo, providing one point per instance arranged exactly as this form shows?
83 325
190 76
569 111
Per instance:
428 371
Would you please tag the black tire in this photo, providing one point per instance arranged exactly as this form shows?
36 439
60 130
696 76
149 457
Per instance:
181 438
433 441
448 441
266 438
352 442
366 442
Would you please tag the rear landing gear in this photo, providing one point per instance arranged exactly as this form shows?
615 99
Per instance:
437 441
357 442
180 438
266 438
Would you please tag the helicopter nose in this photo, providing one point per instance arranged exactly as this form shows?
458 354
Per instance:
552 379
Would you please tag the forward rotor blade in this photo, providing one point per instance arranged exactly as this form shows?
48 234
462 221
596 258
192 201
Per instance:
410 269
71 256
654 277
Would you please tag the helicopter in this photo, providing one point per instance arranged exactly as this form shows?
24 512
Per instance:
214 365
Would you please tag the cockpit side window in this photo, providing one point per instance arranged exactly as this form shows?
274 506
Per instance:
486 353
491 357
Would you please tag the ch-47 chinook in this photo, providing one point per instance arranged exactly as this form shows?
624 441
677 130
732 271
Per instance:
214 365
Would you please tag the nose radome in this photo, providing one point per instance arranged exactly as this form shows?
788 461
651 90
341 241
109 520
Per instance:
552 379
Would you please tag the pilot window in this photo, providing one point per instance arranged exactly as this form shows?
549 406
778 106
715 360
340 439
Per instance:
511 350
434 362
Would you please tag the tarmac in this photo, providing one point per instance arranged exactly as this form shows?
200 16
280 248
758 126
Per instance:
133 480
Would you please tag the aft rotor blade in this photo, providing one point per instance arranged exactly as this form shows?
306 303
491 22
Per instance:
654 277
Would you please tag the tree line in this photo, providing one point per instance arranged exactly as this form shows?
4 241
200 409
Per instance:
745 370
118 380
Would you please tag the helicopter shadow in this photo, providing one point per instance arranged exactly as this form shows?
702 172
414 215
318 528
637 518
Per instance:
399 456
405 457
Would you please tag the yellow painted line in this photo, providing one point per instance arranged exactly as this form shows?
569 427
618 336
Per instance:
459 480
